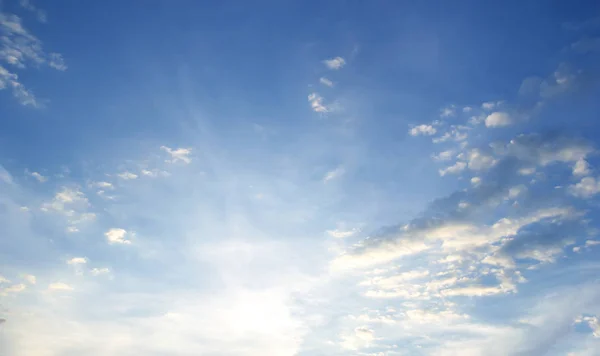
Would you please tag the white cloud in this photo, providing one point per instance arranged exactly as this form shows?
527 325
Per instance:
475 181
586 188
178 154
16 288
40 178
453 169
490 105
99 271
334 174
478 160
592 322
117 236
127 175
581 168
516 191
448 112
326 82
59 286
498 119
589 243
444 155
316 103
30 278
335 63
341 234
77 261
467 109
102 185
3 280
57 61
19 49
425 130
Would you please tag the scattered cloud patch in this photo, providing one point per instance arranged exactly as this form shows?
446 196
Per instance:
448 111
581 168
498 119
127 175
117 236
341 234
326 82
335 63
77 261
316 103
444 155
334 174
453 169
425 130
586 188
59 286
178 154
99 271
40 178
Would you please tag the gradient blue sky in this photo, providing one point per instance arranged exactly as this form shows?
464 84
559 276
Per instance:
299 178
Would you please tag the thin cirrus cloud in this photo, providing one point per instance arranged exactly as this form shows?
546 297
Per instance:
22 50
286 235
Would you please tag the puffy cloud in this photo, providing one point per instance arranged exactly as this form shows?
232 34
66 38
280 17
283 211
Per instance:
117 236
581 168
498 119
453 169
476 181
335 63
316 103
478 160
586 188
178 154
425 130
326 82
59 286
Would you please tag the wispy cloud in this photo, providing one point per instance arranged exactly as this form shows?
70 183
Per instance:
326 82
20 49
178 154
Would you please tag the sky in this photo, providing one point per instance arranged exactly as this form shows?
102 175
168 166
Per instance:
308 178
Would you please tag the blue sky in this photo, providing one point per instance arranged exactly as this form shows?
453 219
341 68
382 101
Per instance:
299 178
